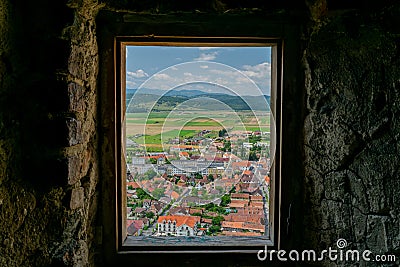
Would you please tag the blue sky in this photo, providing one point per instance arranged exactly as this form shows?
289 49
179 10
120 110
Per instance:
235 70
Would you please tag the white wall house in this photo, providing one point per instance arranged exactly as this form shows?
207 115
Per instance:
178 225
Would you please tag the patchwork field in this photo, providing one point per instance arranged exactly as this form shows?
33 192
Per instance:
149 129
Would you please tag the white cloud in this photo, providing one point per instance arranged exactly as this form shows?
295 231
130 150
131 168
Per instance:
243 79
206 48
207 56
137 74
226 72
259 71
130 84
161 76
225 76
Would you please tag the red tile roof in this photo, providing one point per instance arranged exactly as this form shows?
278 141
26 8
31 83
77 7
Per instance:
256 198
192 210
247 172
240 196
180 219
227 233
174 195
243 163
244 226
236 203
133 184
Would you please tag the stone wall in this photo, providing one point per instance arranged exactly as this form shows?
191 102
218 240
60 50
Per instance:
49 127
352 132
48 156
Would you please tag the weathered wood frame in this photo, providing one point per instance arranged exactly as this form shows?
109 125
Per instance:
197 243
111 43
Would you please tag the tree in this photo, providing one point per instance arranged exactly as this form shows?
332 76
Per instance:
153 161
222 132
227 146
149 214
253 156
158 193
217 220
210 177
141 194
149 174
225 200
214 229
195 192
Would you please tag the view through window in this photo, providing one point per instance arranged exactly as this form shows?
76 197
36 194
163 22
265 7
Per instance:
198 148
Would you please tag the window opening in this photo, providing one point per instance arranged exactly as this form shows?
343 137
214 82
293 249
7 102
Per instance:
199 140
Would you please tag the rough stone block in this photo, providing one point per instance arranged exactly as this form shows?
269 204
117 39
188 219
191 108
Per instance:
75 132
77 198
376 234
76 94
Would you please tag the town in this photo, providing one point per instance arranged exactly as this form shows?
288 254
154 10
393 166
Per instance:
214 183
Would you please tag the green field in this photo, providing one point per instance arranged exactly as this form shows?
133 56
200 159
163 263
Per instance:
203 123
156 139
189 123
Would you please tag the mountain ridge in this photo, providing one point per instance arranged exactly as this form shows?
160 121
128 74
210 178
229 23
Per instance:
145 102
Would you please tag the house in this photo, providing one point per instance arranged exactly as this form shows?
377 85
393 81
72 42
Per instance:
234 217
256 204
179 211
139 212
194 211
146 222
165 199
184 154
243 226
174 195
133 185
157 207
267 179
207 221
193 200
243 187
256 198
181 183
161 161
178 225
246 178
134 227
248 173
247 234
238 203
181 177
241 165
128 210
240 196
146 203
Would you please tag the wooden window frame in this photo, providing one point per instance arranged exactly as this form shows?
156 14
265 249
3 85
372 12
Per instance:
200 244
111 98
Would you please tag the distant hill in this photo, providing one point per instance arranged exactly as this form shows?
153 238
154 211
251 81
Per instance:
153 100
187 93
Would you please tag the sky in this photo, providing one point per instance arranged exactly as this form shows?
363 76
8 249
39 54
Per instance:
232 70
